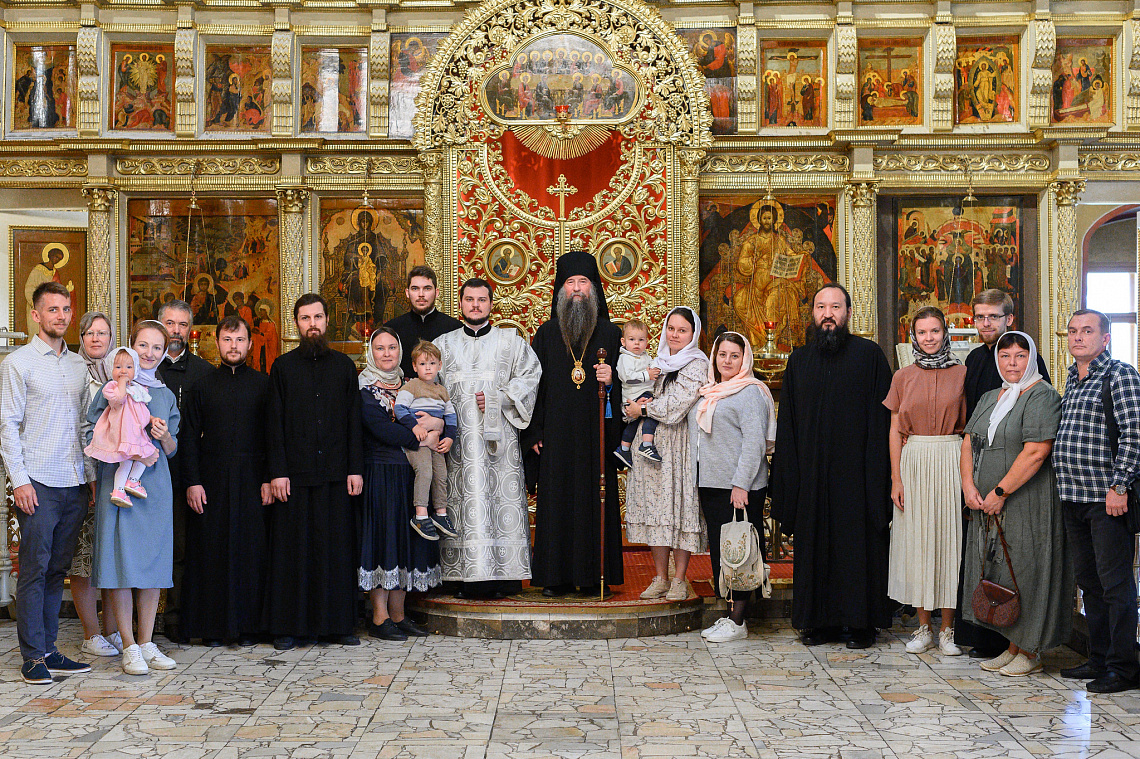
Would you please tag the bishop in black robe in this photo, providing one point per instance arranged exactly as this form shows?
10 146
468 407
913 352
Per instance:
831 484
315 440
223 451
567 530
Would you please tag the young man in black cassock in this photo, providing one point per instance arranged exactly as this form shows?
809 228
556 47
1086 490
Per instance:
831 477
424 321
993 317
315 463
179 370
227 490
563 434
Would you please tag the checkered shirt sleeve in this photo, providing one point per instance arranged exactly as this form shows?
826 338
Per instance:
1081 454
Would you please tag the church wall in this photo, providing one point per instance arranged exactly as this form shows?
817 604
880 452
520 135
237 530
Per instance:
1077 170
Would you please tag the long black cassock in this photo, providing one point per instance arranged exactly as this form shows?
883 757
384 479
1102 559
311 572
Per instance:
222 449
831 484
315 440
567 529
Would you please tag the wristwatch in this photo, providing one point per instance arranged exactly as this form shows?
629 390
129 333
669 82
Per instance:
1120 489
999 491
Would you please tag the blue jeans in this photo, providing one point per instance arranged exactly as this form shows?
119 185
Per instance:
47 543
648 426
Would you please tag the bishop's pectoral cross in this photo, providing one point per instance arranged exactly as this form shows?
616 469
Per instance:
562 189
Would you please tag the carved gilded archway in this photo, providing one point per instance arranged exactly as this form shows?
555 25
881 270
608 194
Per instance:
550 125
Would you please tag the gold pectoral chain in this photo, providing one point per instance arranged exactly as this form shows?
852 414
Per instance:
578 374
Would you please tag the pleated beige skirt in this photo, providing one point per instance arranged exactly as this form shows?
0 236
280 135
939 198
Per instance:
926 537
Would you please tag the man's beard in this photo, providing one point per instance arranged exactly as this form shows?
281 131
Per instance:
232 364
473 322
422 311
828 340
176 344
577 319
52 331
314 345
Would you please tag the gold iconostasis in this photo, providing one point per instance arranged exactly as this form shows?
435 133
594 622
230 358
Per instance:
733 157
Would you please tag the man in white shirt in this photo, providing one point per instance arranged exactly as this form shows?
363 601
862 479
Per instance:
41 398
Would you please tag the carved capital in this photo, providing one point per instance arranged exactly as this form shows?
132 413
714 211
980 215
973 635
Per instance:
691 164
863 194
1068 192
99 198
432 163
292 199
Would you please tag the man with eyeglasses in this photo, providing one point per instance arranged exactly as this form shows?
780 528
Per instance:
993 317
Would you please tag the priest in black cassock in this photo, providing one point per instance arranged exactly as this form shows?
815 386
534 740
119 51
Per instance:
831 477
424 321
563 434
315 461
227 489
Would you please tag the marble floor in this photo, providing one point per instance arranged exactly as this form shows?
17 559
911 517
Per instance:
674 696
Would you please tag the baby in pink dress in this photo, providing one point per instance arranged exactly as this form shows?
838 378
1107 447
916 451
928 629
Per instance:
120 435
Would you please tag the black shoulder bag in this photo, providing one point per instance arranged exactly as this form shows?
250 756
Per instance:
1132 516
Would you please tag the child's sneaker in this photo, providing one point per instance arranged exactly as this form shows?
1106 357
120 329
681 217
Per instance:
121 499
649 451
425 527
625 456
444 526
135 488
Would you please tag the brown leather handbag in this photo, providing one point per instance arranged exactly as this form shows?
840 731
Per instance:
996 604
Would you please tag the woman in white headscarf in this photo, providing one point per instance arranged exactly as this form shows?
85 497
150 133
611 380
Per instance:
1008 479
662 508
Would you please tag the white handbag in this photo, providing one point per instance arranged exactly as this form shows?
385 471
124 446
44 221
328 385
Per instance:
742 565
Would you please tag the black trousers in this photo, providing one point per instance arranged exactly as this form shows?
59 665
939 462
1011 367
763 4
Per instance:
1103 549
716 503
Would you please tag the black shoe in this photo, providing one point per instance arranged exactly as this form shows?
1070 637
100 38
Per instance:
284 643
425 527
174 634
1086 671
444 526
625 456
411 628
387 631
344 640
593 591
306 641
984 653
35 672
557 591
58 664
246 641
211 642
819 635
1110 682
861 638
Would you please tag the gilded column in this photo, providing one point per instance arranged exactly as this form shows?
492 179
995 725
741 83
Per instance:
432 166
862 271
281 58
687 291
100 222
746 56
185 45
378 61
1065 271
846 61
945 54
88 43
1041 73
291 207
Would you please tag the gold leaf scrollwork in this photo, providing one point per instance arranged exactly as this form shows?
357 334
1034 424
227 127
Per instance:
1110 162
203 166
43 167
1011 163
362 165
778 163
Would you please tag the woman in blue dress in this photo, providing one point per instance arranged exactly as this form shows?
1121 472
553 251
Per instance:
134 547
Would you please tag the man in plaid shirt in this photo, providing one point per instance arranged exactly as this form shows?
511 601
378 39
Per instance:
1094 489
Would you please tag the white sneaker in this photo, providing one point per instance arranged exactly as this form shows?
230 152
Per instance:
133 662
116 640
922 640
678 590
946 643
998 662
97 645
656 588
156 658
731 631
714 627
1020 666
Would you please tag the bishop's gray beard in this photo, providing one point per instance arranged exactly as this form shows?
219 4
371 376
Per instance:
577 319
828 340
313 346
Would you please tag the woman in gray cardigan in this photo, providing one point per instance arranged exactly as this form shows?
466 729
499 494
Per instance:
735 426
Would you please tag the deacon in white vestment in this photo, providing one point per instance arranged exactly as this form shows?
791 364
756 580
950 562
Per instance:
492 377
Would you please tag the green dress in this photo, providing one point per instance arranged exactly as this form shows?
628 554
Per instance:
1032 520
